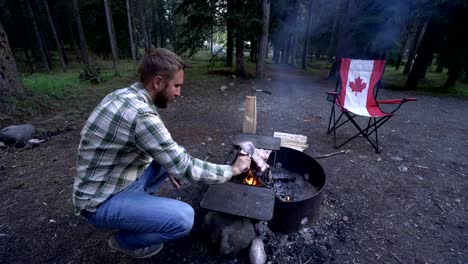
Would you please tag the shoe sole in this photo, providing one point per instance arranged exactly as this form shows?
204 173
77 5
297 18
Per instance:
113 249
151 254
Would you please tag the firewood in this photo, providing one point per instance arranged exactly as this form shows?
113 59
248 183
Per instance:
293 141
250 116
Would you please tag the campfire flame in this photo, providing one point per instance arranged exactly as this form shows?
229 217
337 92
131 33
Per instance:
250 179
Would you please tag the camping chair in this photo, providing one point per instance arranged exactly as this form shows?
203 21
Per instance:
355 95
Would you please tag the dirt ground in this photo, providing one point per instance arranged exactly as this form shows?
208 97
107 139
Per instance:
406 205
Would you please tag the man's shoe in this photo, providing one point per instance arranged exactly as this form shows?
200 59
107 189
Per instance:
138 253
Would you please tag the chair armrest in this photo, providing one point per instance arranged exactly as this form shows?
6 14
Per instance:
332 93
396 101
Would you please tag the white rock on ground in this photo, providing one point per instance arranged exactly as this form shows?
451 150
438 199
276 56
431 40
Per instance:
257 253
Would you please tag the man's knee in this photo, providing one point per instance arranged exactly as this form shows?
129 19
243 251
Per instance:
186 218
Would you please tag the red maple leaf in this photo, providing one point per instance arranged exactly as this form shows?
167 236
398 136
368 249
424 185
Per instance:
357 86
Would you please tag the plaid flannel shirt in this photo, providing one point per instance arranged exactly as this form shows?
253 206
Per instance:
122 136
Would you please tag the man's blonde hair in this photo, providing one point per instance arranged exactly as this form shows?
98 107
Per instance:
159 61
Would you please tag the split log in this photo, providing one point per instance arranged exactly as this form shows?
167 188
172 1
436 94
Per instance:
250 116
293 141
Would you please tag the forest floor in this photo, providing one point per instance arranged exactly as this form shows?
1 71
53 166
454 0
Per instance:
406 205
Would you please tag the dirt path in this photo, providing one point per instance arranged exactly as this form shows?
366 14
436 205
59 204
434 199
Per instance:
374 210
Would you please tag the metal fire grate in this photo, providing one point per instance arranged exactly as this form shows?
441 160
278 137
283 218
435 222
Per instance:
241 199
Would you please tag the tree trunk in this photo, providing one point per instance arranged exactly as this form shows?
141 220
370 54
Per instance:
143 25
344 45
37 37
17 14
425 54
162 25
130 33
29 61
44 44
440 63
414 46
240 69
56 37
294 33
157 26
9 78
60 38
253 50
453 74
334 32
402 50
213 12
110 31
79 29
276 52
230 33
149 24
73 39
306 38
286 48
136 33
262 50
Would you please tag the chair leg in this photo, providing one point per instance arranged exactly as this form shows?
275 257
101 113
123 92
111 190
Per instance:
334 129
363 132
332 116
376 136
368 126
373 124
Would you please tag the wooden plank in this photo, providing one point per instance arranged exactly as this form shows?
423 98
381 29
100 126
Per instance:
294 141
250 115
291 137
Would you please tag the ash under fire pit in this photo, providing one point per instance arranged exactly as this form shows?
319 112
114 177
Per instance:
290 190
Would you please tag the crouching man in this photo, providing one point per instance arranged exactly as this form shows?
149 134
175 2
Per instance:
126 152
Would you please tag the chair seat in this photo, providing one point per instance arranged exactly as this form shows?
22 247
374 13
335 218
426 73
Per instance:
374 111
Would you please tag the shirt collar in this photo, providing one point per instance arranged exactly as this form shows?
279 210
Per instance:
140 89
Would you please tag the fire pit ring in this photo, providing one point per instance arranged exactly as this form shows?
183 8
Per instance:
291 216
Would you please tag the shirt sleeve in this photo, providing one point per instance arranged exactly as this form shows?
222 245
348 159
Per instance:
153 138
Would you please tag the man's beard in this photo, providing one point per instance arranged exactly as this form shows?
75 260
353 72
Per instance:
162 99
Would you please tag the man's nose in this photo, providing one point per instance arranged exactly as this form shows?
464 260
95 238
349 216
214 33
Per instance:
177 92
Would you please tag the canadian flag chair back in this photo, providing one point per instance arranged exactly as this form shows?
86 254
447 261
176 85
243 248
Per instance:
358 80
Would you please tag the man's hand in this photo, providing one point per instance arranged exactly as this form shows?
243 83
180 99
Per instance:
241 165
175 181
247 147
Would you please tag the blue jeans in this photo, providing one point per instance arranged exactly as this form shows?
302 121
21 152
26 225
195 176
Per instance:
143 219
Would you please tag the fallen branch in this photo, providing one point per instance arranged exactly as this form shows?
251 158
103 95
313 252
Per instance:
308 260
440 207
332 154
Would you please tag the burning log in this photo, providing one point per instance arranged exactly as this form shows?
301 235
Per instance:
251 179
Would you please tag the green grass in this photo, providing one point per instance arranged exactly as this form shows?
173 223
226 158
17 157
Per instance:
318 67
50 93
199 66
54 85
432 83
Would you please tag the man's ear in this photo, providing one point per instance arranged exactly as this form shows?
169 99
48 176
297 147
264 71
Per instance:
158 83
